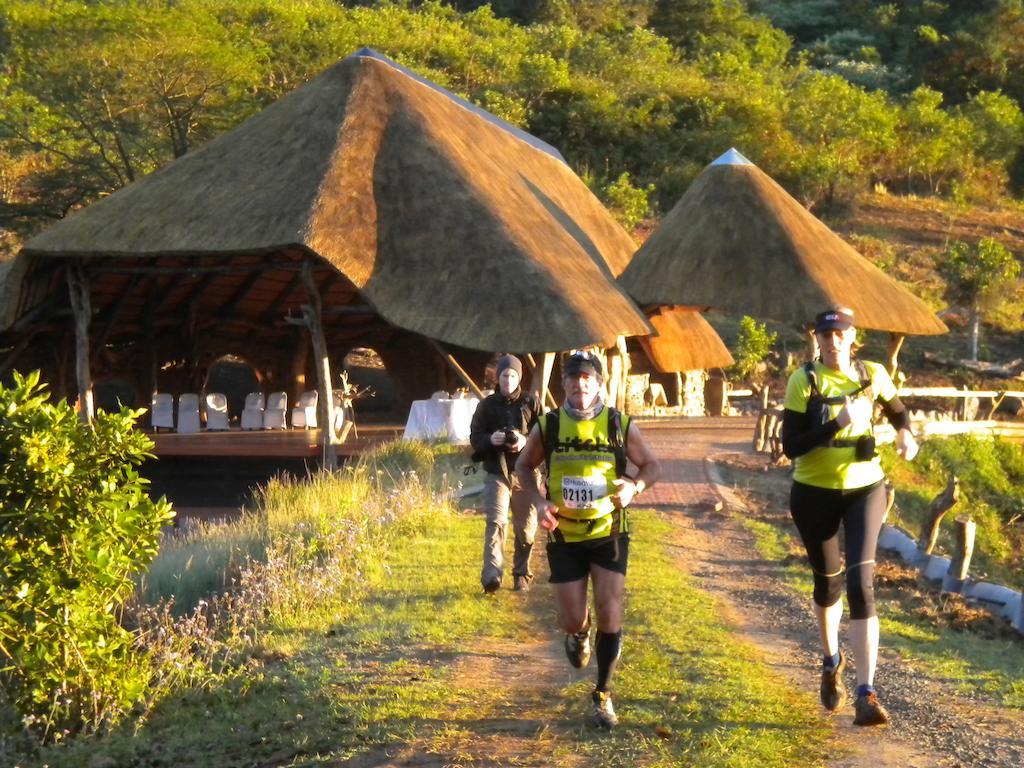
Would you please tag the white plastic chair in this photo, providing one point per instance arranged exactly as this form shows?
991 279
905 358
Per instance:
188 412
304 412
161 410
274 415
252 413
339 411
216 412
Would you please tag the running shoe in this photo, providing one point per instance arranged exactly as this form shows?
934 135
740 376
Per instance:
868 710
604 713
521 584
492 586
833 692
577 648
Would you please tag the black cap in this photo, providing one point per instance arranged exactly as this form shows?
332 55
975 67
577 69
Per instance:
583 362
835 319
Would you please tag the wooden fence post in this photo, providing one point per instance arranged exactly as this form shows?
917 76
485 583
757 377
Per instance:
940 505
961 564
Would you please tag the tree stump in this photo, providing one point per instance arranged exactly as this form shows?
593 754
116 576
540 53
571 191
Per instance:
890 500
940 505
961 564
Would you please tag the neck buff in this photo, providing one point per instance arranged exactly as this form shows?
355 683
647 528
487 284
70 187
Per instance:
512 396
585 415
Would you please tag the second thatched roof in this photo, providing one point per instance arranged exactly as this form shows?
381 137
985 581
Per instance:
685 342
447 222
737 241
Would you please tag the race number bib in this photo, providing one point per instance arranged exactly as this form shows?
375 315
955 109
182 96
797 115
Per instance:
583 492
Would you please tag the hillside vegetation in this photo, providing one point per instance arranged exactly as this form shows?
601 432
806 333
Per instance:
833 99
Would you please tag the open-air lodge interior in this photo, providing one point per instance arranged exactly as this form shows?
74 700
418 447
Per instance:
368 209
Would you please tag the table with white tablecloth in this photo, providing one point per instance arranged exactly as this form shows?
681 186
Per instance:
436 419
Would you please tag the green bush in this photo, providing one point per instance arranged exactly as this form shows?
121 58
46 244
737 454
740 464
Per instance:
75 525
753 346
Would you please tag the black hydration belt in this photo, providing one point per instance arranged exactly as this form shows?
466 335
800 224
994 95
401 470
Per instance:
842 442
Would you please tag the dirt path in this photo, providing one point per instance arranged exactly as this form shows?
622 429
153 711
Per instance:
932 725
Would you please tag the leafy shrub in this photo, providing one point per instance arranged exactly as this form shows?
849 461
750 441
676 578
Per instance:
753 346
75 525
629 204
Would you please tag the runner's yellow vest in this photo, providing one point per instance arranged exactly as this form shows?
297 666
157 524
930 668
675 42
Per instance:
580 474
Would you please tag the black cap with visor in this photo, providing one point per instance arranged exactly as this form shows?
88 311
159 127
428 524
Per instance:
583 362
835 319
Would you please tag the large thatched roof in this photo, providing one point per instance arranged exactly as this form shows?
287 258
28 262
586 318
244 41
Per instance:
737 241
685 342
445 222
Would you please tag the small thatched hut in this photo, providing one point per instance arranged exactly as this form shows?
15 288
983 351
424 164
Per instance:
737 241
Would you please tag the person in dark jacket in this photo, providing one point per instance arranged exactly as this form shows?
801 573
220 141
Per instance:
497 434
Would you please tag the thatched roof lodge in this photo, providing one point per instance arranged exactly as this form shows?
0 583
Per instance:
420 219
737 241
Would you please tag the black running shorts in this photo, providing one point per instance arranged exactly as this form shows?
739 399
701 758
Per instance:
571 560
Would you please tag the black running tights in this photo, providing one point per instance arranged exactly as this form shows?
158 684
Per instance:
818 513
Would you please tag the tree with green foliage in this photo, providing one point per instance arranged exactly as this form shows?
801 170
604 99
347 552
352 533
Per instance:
936 144
979 277
754 345
629 205
75 526
101 95
845 131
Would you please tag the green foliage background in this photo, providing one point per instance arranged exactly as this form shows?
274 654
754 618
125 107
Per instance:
75 525
827 97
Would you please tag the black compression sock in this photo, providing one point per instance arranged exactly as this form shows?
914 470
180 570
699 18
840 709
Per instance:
607 649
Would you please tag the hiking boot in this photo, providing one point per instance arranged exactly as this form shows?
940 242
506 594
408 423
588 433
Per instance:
604 713
833 692
492 586
577 648
521 584
869 710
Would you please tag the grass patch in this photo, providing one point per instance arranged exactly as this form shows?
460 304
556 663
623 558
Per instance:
388 670
334 686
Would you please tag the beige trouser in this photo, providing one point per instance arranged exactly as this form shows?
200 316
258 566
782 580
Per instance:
499 496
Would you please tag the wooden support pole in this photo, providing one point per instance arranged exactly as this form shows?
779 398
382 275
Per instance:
893 353
542 377
961 564
940 505
679 391
458 370
547 365
153 361
812 343
620 399
300 362
81 306
313 315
